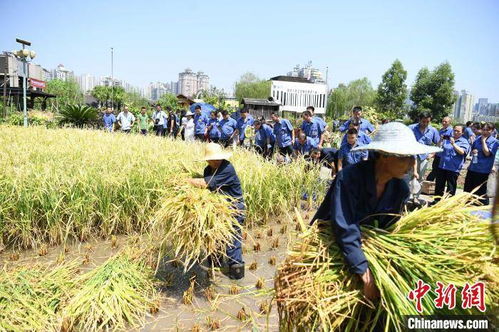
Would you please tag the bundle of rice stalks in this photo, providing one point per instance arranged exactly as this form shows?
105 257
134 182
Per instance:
442 243
196 223
114 296
30 298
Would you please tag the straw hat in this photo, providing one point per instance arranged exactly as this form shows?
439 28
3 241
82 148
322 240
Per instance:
214 151
397 139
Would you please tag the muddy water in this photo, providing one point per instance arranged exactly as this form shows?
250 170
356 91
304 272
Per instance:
174 315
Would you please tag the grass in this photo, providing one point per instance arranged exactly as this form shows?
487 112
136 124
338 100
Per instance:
442 243
63 184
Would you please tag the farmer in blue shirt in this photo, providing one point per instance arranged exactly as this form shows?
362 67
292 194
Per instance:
284 134
303 145
109 120
245 120
427 135
220 177
483 151
200 122
365 125
321 121
312 128
362 137
445 132
370 192
212 127
452 159
264 138
348 157
227 128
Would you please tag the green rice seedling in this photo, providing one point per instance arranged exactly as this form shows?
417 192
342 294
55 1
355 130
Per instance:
116 295
32 298
195 224
445 243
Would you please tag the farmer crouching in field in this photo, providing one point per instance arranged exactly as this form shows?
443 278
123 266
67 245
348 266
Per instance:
220 176
371 191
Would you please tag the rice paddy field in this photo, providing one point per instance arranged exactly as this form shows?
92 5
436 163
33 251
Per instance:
100 232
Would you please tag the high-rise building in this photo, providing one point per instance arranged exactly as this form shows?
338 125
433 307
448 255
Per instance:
190 83
61 73
87 82
308 72
463 107
481 105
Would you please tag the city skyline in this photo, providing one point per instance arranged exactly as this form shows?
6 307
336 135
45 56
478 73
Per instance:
352 40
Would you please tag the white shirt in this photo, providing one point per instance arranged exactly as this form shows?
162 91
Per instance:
161 115
126 120
189 130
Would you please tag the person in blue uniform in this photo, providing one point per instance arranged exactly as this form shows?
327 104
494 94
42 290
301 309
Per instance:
348 157
245 120
284 135
322 122
312 128
425 134
227 127
445 132
483 151
303 145
212 127
220 177
455 149
368 192
362 137
365 125
200 123
264 138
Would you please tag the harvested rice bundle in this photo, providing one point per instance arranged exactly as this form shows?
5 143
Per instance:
442 243
114 296
195 224
30 298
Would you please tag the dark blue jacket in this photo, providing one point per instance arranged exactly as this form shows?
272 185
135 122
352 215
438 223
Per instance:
351 202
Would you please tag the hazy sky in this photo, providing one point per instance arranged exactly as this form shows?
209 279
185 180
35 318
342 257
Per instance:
155 40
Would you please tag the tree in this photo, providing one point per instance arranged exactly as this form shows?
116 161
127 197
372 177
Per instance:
214 96
250 86
433 90
168 100
67 92
392 92
344 97
78 115
102 94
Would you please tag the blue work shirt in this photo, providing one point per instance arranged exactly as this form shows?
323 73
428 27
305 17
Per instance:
313 129
361 138
449 131
242 124
351 157
214 131
351 201
484 164
450 160
109 120
225 181
468 133
200 122
321 121
306 147
261 135
429 137
364 126
283 131
227 127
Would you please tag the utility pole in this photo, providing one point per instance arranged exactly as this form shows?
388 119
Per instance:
112 79
5 84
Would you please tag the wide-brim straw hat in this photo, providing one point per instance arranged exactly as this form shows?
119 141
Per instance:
395 138
213 151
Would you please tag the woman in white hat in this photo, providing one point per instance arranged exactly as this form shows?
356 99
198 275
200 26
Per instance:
369 188
188 126
220 176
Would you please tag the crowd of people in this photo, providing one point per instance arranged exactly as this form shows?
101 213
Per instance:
476 142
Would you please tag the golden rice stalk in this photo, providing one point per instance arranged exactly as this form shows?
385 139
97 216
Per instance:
195 224
118 294
315 289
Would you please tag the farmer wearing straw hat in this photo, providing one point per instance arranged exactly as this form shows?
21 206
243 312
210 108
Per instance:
220 176
369 193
